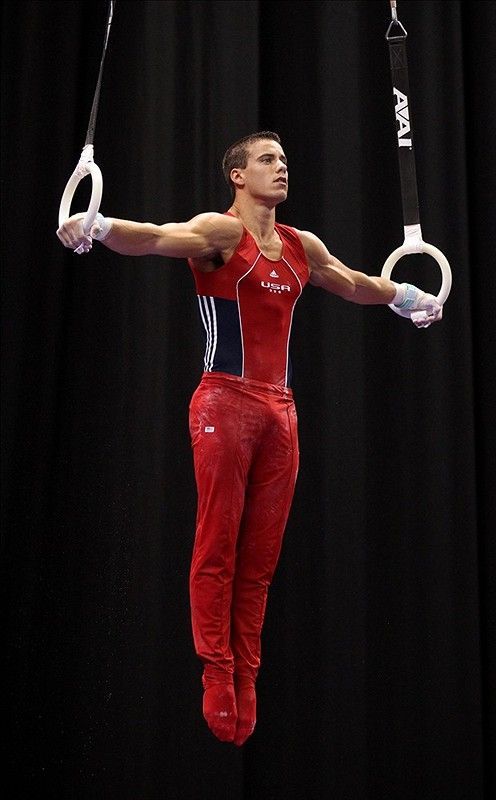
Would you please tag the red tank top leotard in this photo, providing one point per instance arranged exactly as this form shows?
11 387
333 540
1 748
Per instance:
246 307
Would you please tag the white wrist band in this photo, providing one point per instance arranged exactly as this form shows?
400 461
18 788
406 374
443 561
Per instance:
400 293
105 226
406 296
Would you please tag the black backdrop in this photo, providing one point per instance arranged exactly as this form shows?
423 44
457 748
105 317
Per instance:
376 670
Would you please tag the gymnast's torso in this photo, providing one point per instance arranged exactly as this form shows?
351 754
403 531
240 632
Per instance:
246 307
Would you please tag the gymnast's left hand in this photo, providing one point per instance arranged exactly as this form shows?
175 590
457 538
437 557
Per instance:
423 307
427 310
72 235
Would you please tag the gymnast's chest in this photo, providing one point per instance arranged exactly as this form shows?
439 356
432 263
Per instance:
268 283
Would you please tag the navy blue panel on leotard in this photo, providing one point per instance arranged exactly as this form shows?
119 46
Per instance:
220 322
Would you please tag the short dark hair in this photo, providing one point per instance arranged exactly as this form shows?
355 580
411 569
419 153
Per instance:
236 156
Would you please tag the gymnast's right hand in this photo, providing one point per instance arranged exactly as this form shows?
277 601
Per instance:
72 235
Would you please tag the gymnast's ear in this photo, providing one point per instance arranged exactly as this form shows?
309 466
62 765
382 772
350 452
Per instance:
237 177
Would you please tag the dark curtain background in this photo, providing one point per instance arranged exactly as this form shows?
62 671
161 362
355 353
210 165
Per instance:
377 666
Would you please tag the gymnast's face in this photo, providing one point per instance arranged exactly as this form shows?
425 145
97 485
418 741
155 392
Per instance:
265 176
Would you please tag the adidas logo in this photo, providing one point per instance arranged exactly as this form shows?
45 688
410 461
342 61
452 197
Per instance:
274 274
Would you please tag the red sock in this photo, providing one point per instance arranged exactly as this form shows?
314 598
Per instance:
246 700
219 708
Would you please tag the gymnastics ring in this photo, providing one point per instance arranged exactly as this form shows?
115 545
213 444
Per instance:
421 247
86 166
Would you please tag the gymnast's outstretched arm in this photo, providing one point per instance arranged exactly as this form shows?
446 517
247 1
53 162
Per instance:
330 274
202 236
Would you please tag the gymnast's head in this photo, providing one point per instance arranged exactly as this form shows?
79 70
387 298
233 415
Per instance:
256 165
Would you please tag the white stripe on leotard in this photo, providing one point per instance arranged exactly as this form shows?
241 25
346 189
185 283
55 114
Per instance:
208 315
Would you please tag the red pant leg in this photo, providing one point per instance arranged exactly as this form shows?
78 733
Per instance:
267 504
222 456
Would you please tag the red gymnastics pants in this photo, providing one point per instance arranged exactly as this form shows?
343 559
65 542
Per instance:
245 448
